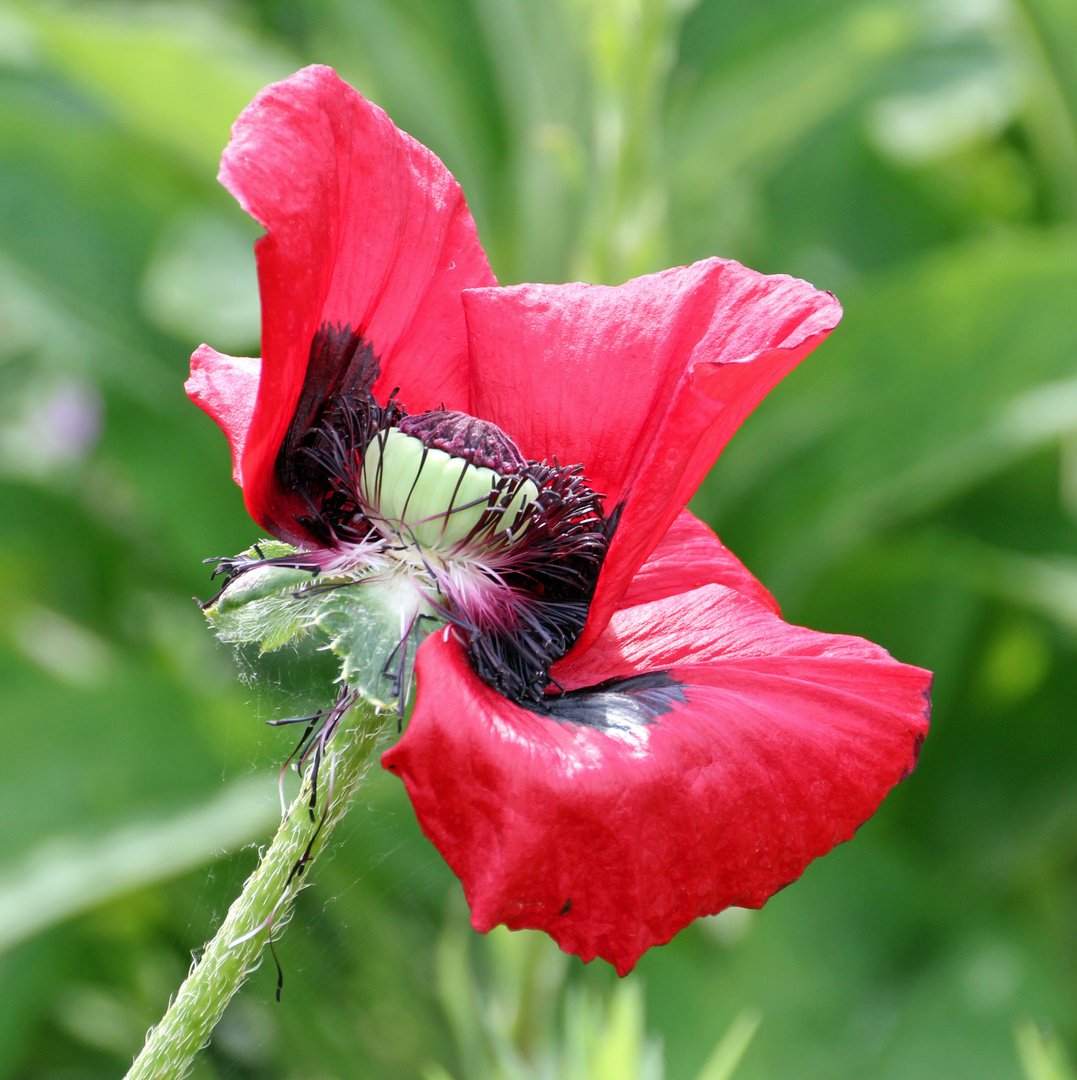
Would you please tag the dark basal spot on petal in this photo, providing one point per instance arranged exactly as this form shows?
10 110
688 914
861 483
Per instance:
616 704
342 368
567 908
613 519
335 418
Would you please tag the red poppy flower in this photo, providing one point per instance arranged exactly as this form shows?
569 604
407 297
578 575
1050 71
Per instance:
615 733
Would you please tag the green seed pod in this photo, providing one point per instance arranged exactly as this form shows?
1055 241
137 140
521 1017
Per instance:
435 500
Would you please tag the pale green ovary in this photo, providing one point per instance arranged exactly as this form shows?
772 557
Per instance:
414 494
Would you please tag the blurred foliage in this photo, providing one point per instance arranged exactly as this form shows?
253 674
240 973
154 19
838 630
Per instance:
519 1018
915 481
1042 1057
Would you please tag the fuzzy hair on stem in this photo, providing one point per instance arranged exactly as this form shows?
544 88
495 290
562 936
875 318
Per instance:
264 905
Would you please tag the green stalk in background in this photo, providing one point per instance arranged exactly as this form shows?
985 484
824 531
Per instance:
515 1014
632 47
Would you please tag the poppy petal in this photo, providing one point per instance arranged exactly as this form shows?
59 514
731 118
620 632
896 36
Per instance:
225 388
643 384
687 557
366 229
753 749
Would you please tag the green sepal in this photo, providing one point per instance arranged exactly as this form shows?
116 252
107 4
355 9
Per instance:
270 622
259 584
362 618
266 606
367 626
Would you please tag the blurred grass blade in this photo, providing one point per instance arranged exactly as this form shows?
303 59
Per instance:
727 1055
1045 583
540 72
1047 42
174 73
632 48
618 1045
456 988
971 354
62 878
527 971
1042 1057
754 113
1056 23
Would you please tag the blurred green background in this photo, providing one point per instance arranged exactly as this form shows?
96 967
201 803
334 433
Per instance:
915 482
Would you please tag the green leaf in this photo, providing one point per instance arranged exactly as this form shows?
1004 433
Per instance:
63 877
172 72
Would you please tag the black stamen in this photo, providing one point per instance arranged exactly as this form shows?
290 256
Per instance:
341 368
297 720
541 566
236 566
545 584
280 970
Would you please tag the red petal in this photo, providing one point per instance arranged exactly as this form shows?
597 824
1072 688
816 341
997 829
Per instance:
687 557
225 388
643 384
785 741
365 227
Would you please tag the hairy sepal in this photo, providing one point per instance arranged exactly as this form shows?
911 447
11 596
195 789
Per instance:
266 605
372 621
375 628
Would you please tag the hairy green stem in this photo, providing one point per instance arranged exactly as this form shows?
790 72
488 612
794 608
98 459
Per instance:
263 905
